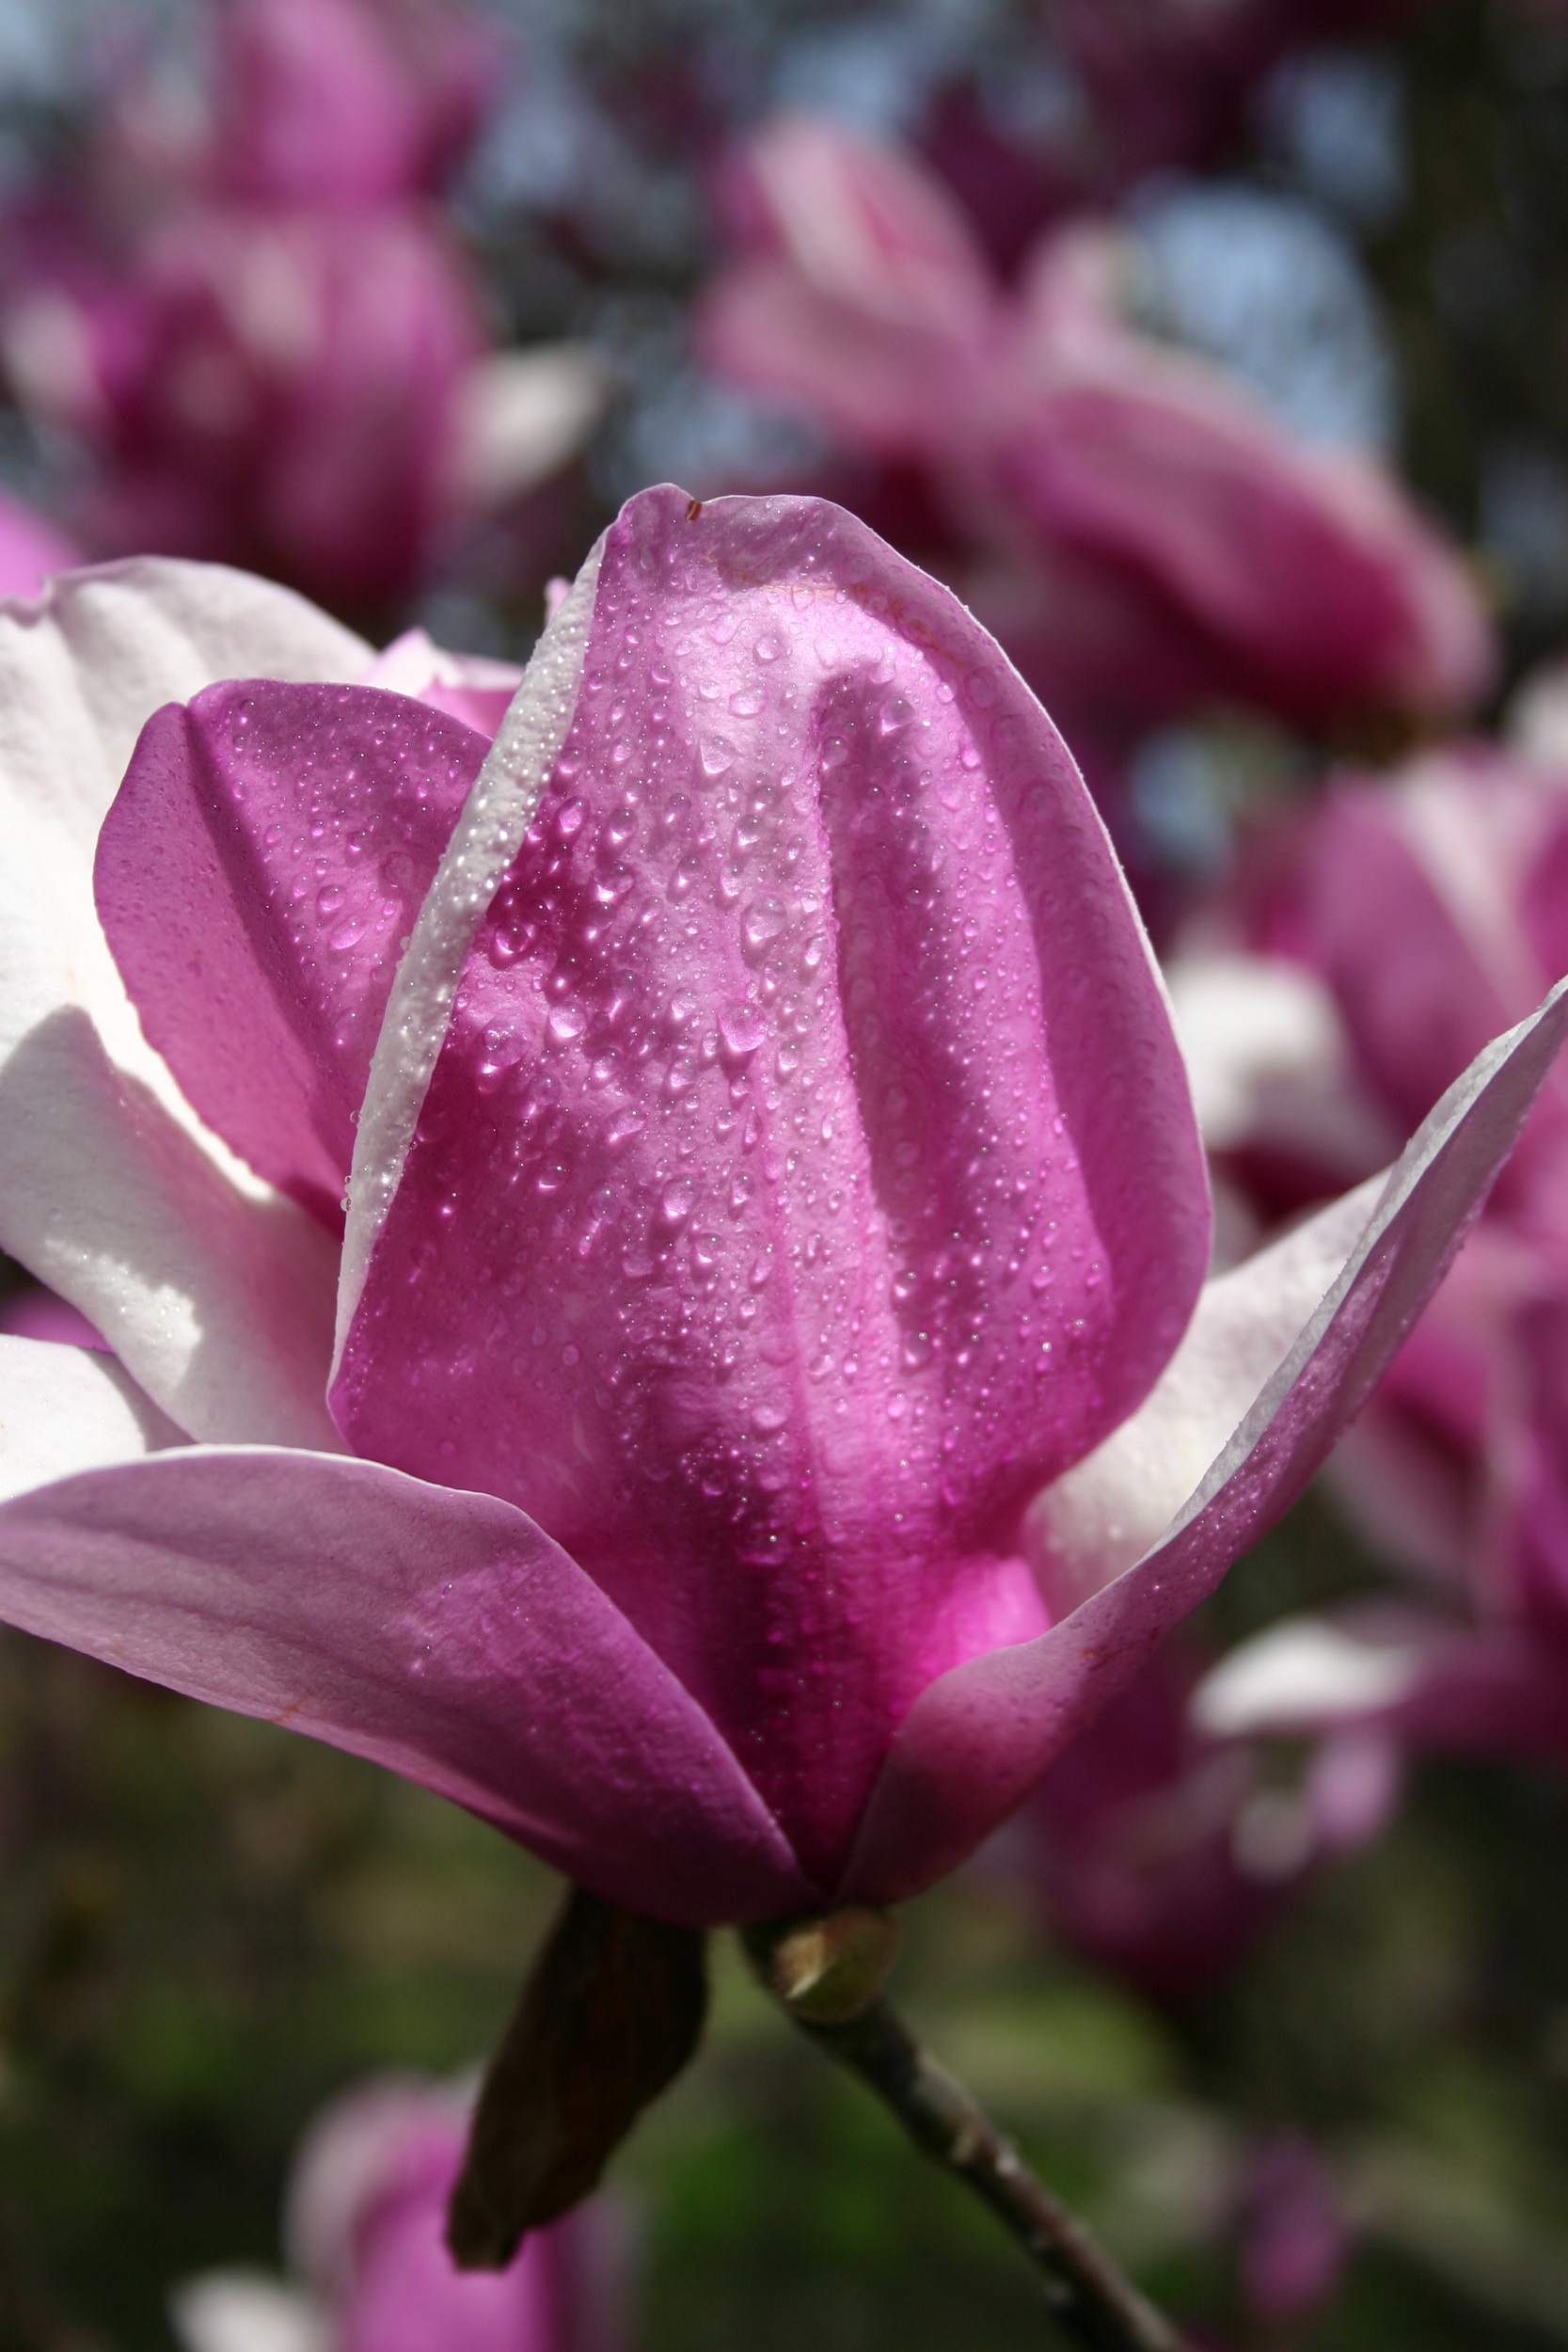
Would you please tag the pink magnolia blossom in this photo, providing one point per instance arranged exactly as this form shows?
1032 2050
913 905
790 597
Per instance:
341 101
364 2224
775 1399
1146 535
1161 1851
1406 918
265 330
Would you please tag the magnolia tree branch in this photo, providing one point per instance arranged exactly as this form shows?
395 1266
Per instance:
821 1969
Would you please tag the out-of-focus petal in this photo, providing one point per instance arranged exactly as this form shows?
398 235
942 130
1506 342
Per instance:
31 549
441 1634
262 864
1310 569
1307 1672
814 957
243 2311
973 1743
31 1313
213 1295
366 2223
466 686
518 417
1269 1060
863 295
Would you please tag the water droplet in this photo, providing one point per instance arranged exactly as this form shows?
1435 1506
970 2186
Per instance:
761 924
566 1022
676 1202
715 754
741 1030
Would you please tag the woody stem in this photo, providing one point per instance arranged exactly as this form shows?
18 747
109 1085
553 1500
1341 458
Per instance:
1094 2305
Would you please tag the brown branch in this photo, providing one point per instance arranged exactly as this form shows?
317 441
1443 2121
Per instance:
1094 2305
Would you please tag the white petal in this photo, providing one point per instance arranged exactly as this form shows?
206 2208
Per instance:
520 416
64 1409
1303 1672
1108 1510
213 1291
499 812
1269 1060
243 2311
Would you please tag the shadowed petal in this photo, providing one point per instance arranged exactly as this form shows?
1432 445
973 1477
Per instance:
973 1743
261 868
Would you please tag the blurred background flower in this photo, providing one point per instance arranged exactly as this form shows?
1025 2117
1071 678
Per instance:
364 2227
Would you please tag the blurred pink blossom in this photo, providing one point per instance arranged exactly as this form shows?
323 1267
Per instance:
1407 916
1295 2235
261 326
1144 535
734 1124
1162 1853
364 2226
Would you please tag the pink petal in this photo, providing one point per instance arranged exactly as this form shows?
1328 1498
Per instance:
35 1314
974 1744
808 1168
466 686
256 878
367 2224
1421 1011
864 297
440 1634
1311 571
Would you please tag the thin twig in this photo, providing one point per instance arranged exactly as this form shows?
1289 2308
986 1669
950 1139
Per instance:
1094 2305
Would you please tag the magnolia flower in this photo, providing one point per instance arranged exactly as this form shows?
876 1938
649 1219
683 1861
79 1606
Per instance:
1406 919
761 1396
334 101
1163 1852
363 2222
1151 535
284 360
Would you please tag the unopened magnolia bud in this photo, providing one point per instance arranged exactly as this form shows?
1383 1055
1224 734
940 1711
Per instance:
829 1968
